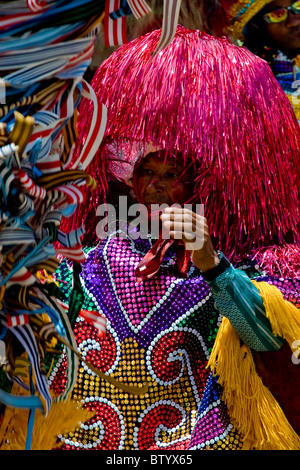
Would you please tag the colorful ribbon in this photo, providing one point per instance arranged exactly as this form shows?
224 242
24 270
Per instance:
45 50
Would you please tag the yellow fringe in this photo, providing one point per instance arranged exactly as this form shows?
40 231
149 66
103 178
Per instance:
63 417
252 408
283 315
295 102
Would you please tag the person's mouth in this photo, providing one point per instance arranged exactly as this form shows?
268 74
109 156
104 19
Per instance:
156 199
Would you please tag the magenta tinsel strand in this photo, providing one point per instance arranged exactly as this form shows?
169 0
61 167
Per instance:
219 104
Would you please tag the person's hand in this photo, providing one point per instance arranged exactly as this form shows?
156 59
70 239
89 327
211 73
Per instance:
183 224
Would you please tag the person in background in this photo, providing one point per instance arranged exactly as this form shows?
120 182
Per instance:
269 29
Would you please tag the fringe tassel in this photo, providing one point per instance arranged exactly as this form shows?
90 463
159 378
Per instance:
63 417
283 315
252 408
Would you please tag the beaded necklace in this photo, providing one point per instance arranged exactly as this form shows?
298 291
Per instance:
287 73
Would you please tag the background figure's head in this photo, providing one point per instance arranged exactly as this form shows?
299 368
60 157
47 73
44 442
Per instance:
275 27
263 26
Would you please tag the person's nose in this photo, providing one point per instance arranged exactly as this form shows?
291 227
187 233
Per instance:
157 183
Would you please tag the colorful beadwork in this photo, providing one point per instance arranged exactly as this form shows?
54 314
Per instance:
287 72
159 332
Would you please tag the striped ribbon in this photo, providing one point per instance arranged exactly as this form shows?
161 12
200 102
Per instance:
42 257
74 195
77 65
45 49
40 97
6 178
96 319
28 185
23 385
16 320
71 50
22 277
50 229
49 265
37 6
37 150
123 10
139 8
70 239
53 217
47 123
70 135
26 205
43 71
3 134
53 199
9 21
51 124
54 180
36 38
75 253
11 234
16 268
61 12
21 132
9 153
72 358
52 312
49 164
17 297
171 11
25 336
97 130
114 28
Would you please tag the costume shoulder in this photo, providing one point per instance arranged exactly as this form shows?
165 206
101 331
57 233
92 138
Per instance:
72 291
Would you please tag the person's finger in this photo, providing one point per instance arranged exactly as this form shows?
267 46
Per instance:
185 217
189 226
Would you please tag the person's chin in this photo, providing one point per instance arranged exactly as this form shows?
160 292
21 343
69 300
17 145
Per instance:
294 41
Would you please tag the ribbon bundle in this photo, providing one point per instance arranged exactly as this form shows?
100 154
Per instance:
116 12
45 49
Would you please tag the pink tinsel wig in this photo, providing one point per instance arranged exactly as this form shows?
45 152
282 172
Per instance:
218 104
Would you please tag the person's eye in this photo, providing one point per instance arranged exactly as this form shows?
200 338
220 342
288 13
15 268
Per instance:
172 175
146 171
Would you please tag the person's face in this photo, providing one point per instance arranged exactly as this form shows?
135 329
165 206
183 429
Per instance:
287 33
160 181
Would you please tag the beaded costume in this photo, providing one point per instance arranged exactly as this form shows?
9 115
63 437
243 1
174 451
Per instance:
159 332
153 331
